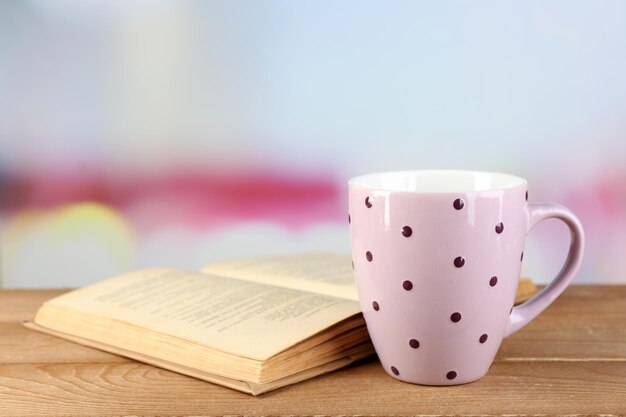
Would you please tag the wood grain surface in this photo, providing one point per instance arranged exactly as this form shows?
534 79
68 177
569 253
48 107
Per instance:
571 360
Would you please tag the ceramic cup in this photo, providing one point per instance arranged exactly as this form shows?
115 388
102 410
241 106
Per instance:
437 258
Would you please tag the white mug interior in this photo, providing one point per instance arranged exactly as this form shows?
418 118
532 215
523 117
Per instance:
438 181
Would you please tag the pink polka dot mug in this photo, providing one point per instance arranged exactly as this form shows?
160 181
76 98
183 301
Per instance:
437 258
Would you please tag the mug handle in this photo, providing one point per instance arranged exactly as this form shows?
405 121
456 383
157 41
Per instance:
524 313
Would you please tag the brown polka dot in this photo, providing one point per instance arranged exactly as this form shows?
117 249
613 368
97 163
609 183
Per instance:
349 219
369 256
455 317
368 202
375 306
458 204
407 285
521 258
499 228
395 371
407 231
414 343
483 338
459 261
451 375
526 195
493 281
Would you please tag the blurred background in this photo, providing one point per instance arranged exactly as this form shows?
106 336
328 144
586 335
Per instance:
177 133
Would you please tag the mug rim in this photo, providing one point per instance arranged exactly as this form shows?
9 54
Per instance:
503 181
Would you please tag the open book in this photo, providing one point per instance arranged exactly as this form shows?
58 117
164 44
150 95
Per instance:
253 325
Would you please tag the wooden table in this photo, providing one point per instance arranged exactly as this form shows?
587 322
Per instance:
570 360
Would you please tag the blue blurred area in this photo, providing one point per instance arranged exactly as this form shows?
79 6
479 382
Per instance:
369 85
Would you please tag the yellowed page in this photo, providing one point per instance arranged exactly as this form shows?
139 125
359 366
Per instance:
319 272
244 318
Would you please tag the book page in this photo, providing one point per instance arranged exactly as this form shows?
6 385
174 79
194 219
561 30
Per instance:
245 318
319 272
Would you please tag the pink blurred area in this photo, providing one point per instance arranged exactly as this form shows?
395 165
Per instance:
74 226
187 196
600 203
